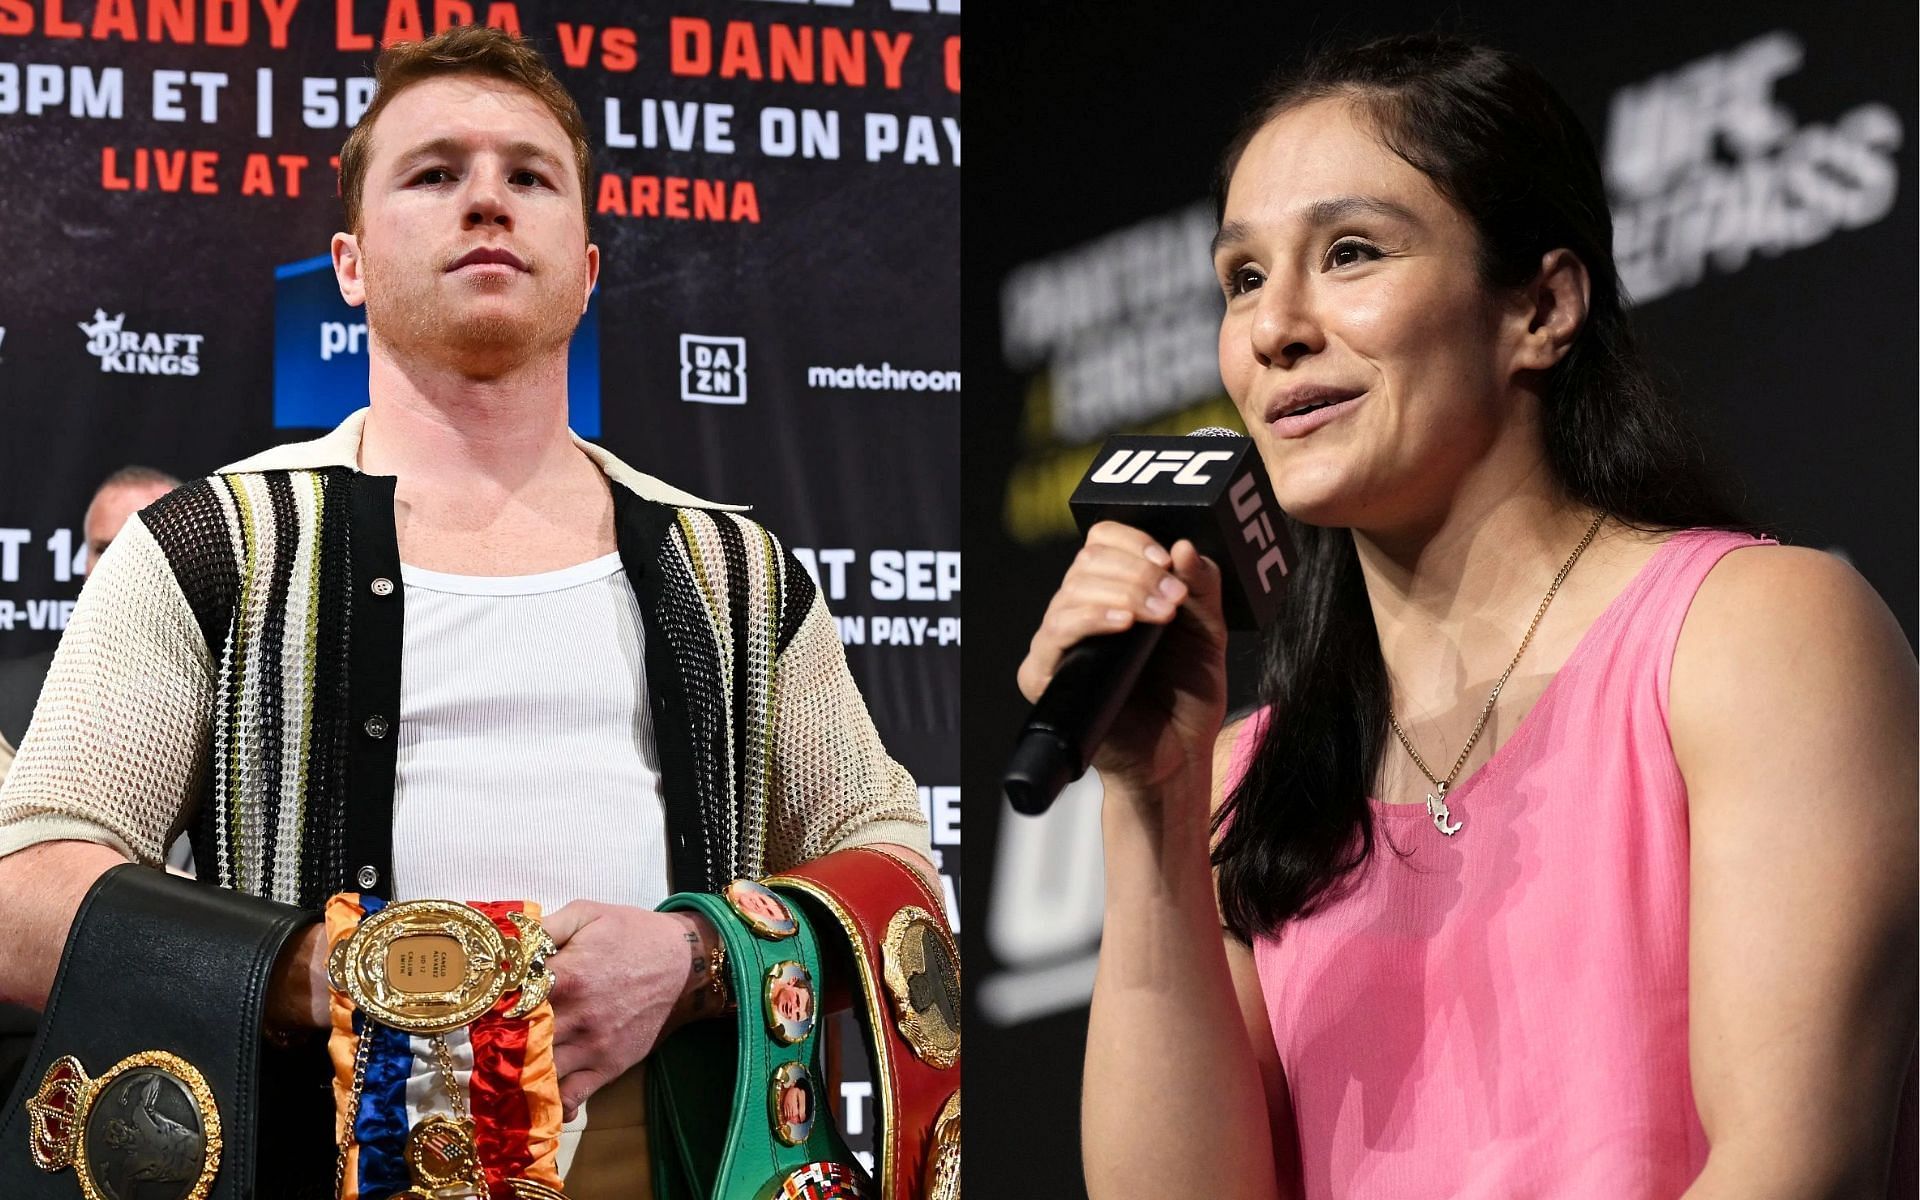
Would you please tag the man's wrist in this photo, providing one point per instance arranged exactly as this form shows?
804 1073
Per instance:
712 988
705 993
297 992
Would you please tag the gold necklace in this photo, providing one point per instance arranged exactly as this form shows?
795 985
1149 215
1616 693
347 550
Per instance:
1437 798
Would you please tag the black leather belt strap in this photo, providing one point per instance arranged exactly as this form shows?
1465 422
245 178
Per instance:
157 971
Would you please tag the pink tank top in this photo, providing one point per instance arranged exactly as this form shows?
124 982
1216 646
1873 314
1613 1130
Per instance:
1503 1013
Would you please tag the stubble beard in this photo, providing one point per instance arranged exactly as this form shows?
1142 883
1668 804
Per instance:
421 318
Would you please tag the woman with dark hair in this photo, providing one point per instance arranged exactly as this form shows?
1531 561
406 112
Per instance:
1572 850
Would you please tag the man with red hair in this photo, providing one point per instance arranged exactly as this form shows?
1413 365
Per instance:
611 689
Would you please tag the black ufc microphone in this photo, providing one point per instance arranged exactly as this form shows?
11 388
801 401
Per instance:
1213 492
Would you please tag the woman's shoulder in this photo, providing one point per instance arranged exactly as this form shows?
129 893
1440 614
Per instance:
1694 591
1784 597
1775 629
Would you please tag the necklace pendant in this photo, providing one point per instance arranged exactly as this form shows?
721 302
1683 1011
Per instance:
1437 809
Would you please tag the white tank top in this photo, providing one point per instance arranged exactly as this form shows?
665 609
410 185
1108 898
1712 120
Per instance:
527 763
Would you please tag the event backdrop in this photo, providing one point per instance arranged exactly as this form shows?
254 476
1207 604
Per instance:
1760 159
776 194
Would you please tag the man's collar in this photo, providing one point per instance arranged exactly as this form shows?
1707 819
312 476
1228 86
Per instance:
341 448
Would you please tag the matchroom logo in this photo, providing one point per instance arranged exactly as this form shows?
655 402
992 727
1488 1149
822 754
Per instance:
713 370
884 378
123 351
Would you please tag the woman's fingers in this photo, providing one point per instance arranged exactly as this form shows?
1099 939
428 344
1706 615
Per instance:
1201 577
1151 593
1063 628
1126 537
1119 576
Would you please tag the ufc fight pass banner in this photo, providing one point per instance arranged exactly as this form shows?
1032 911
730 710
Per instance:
775 191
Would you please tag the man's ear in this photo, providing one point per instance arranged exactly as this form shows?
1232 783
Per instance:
1554 306
593 275
348 269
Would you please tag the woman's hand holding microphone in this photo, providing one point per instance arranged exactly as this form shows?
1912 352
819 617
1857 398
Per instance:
1163 738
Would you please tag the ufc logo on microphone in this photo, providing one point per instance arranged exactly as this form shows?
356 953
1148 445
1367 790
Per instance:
1140 466
1257 528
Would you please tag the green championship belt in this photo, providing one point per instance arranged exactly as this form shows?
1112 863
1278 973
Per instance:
738 1110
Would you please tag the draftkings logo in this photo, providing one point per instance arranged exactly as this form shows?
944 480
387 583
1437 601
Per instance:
124 351
713 370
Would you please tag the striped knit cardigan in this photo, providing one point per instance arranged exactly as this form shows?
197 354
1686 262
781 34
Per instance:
276 665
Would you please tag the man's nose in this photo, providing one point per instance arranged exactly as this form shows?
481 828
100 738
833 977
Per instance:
487 202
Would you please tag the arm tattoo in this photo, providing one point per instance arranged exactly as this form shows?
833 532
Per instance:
698 970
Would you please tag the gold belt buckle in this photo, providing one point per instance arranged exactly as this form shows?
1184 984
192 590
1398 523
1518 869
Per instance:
433 966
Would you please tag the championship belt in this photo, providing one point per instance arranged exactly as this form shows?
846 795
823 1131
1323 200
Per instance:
449 985
144 1079
889 934
738 1110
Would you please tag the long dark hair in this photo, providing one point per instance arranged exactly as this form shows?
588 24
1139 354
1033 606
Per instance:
1497 141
